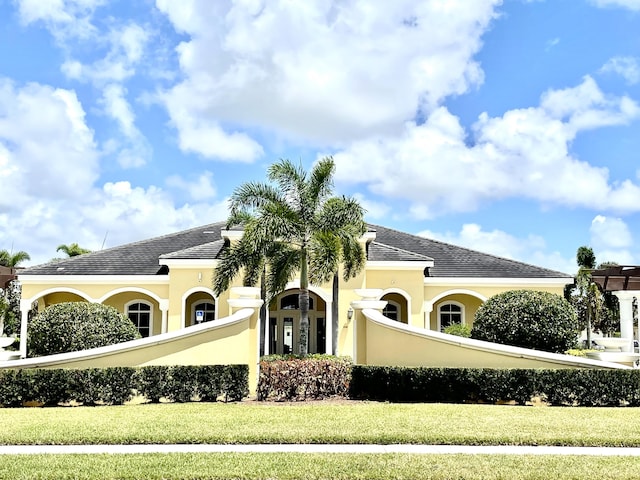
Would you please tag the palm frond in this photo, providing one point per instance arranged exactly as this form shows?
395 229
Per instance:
284 264
325 252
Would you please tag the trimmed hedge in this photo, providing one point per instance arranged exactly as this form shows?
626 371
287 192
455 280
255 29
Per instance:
294 377
467 385
117 385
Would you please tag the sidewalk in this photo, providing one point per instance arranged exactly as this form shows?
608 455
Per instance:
318 448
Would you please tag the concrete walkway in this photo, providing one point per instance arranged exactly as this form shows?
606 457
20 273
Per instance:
316 448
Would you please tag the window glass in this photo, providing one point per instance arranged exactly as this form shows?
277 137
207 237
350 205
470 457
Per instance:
204 312
140 315
450 313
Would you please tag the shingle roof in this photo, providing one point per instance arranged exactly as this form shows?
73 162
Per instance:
138 258
379 252
205 242
453 261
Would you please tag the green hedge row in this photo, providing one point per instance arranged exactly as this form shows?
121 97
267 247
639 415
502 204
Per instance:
293 377
117 385
462 385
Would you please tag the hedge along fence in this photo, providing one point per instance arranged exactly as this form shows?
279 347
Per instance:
463 385
311 377
117 385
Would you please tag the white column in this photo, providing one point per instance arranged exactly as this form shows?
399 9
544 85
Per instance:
328 327
428 308
164 308
25 307
267 339
625 297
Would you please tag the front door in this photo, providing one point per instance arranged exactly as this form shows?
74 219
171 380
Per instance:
284 326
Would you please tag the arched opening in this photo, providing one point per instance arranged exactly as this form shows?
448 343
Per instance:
397 307
283 332
199 307
142 310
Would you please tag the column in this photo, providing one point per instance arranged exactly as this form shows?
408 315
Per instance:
25 307
625 297
428 308
164 308
370 300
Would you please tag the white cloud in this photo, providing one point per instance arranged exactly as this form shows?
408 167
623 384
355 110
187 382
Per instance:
199 188
524 153
126 46
630 4
49 168
64 18
531 249
627 67
320 72
134 150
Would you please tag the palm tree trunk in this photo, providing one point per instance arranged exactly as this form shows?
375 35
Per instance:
334 314
303 300
264 318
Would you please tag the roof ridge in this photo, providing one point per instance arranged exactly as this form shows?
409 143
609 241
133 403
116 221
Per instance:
404 250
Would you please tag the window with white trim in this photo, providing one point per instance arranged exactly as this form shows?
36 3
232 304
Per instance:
203 311
141 314
450 313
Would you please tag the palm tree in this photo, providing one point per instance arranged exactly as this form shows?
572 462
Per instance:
292 227
12 260
72 250
589 299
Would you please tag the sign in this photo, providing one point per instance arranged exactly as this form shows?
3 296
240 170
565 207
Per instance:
199 316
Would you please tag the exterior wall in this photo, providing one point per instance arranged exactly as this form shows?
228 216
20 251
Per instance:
409 281
378 339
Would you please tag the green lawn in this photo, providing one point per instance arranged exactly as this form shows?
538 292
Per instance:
358 422
314 466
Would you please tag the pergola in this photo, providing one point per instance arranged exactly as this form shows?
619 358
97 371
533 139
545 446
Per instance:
624 282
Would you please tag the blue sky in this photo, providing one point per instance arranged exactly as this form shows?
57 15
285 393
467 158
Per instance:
507 127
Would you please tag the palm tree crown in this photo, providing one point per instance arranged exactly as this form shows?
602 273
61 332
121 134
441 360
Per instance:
72 250
293 226
8 259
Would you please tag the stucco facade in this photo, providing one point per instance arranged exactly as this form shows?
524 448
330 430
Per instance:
164 285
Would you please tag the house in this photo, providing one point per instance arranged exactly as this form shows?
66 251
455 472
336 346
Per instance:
163 284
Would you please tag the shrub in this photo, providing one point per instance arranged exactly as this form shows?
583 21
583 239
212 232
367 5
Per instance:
567 387
73 326
529 319
292 377
458 329
152 381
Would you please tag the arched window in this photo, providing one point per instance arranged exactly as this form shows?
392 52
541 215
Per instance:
290 302
450 313
203 312
392 310
141 314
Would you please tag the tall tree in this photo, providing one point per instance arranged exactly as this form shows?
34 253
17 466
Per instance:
292 226
72 250
587 297
11 260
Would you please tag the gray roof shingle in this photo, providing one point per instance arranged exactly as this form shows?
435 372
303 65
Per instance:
453 261
138 258
205 242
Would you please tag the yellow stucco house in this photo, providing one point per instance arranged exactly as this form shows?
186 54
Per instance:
164 284
392 313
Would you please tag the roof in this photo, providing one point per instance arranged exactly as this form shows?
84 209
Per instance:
453 261
206 243
138 258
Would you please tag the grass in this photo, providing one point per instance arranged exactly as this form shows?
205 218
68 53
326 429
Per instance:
315 466
357 422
